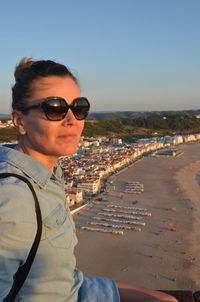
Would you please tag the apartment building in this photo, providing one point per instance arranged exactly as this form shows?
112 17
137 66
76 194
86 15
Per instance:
89 186
74 197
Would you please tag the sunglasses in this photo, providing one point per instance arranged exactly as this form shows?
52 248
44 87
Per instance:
56 108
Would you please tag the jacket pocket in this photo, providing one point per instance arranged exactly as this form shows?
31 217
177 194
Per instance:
58 229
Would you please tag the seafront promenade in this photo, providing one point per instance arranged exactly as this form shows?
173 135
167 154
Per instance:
165 254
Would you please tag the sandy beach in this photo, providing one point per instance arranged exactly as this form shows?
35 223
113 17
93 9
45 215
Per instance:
166 253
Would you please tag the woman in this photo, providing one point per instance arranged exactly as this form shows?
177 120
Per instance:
48 114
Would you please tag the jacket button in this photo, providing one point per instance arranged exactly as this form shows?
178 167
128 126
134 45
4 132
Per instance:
58 221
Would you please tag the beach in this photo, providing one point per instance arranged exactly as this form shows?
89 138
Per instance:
165 254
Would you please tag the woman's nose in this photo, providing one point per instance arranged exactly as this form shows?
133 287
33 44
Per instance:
69 118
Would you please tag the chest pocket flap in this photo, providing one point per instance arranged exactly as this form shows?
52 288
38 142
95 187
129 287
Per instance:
58 228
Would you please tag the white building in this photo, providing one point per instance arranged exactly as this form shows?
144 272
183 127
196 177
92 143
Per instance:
75 197
197 135
89 186
189 138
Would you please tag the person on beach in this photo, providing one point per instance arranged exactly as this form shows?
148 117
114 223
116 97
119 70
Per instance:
48 114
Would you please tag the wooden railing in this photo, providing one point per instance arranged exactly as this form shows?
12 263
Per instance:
184 295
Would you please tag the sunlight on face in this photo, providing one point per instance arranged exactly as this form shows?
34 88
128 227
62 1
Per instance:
52 138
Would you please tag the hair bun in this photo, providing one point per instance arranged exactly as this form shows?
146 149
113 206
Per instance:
22 66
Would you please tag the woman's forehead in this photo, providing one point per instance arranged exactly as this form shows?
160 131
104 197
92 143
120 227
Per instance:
54 86
51 81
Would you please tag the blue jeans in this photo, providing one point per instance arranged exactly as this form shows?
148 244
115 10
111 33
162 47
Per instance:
98 289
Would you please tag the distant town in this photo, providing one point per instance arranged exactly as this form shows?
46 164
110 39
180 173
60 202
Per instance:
87 172
6 124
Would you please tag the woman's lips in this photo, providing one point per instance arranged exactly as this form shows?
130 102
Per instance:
67 136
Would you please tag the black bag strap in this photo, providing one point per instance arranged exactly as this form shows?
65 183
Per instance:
22 272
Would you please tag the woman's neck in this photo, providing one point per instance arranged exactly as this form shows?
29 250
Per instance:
47 161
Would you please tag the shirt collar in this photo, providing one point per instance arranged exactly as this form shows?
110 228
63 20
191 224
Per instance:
30 166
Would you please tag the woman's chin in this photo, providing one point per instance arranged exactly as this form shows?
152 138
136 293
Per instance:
67 151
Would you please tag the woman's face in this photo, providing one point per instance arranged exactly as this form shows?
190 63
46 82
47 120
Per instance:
52 138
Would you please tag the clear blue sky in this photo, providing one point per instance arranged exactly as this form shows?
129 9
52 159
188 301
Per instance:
127 54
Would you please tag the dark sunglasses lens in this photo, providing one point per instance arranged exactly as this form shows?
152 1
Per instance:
80 108
55 109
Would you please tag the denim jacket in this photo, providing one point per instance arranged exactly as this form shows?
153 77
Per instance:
53 276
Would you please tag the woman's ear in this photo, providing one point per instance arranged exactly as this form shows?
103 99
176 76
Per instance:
17 119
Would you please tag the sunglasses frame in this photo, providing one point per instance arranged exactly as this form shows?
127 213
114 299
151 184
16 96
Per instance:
55 98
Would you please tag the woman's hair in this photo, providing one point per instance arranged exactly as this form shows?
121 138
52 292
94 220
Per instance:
27 71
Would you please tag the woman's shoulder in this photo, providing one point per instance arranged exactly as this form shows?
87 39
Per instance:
16 199
6 169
